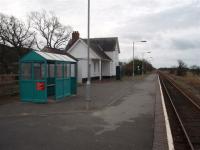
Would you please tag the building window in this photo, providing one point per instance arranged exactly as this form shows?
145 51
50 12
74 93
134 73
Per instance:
96 67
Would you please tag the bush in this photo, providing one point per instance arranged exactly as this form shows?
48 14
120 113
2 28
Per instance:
195 70
128 67
172 70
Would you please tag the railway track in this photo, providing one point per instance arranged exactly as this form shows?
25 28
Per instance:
184 115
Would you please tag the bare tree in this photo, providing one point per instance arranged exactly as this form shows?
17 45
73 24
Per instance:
15 33
182 68
50 32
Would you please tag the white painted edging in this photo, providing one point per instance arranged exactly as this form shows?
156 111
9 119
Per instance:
168 129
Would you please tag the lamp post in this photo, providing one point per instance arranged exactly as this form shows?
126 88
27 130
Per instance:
133 55
88 84
88 43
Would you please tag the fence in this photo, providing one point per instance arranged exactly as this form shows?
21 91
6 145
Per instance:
9 84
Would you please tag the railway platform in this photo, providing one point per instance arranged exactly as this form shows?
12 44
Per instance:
127 115
162 134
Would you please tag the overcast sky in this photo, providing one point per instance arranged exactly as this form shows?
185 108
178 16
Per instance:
171 27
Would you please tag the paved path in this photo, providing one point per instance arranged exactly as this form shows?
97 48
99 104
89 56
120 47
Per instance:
122 119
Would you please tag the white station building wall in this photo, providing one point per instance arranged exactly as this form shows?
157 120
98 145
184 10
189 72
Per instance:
115 57
79 51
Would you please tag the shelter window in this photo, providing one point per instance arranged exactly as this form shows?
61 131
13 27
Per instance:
72 70
26 71
67 70
39 71
51 70
59 70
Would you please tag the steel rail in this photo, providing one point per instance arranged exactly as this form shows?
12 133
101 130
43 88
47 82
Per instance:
178 116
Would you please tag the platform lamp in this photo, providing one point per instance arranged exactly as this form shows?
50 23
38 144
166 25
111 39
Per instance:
143 61
133 53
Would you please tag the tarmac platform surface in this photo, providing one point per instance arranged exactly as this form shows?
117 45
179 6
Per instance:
122 118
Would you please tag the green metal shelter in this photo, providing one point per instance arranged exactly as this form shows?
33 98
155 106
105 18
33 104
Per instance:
45 76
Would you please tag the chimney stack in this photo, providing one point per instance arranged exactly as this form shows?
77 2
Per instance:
75 36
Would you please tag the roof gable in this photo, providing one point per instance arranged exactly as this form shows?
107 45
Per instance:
100 46
79 50
32 56
97 52
106 44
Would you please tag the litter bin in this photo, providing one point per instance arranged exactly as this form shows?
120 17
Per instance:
118 73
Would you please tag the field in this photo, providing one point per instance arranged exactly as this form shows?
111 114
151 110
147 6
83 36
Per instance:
190 82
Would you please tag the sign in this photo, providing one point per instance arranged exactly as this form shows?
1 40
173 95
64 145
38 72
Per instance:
40 86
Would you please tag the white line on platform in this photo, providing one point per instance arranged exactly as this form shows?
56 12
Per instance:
168 129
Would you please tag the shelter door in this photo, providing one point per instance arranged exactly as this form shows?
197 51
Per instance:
33 83
62 80
39 91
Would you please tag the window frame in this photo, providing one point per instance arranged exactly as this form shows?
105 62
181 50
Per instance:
62 70
22 71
